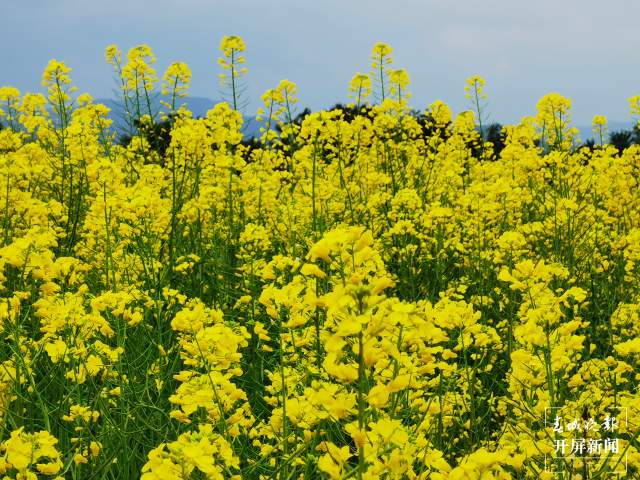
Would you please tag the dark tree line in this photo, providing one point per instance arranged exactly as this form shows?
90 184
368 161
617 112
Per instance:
623 139
158 134
492 133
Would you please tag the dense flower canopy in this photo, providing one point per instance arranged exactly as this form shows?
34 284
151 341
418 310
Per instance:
366 292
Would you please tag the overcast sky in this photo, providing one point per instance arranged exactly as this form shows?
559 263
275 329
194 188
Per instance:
587 50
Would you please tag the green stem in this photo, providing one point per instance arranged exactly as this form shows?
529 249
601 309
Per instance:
361 406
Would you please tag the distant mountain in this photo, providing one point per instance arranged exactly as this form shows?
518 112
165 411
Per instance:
199 106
